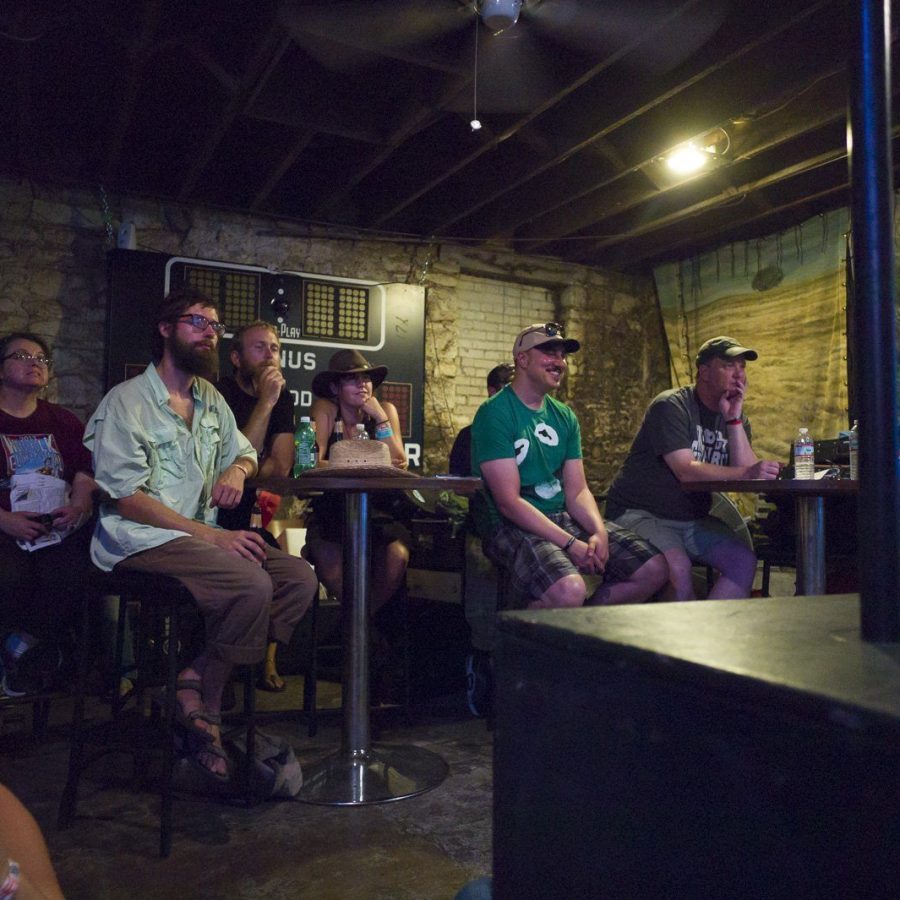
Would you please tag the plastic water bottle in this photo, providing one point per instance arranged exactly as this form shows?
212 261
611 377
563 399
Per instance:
804 456
854 450
304 441
360 433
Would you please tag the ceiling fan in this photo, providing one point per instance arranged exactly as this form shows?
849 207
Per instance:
522 46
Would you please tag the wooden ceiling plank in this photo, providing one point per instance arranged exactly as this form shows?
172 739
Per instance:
25 140
409 127
628 256
138 58
724 197
275 176
590 208
268 51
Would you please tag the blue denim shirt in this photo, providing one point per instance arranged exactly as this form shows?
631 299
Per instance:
140 444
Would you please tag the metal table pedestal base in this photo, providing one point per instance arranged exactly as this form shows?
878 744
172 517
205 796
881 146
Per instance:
385 772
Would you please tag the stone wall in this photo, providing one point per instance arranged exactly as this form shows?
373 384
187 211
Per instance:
53 243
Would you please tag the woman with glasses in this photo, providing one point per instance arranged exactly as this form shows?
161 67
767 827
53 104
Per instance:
43 544
346 395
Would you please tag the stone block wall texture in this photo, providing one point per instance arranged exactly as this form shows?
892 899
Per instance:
53 244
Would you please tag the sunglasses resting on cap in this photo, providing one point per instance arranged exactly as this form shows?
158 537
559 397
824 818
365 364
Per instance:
539 334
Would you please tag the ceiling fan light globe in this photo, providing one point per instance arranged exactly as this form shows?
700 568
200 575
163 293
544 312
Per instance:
500 14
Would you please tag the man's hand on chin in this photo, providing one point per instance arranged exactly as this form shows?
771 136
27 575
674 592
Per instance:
269 384
731 403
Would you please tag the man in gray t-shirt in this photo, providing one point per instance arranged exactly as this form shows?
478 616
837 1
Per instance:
695 433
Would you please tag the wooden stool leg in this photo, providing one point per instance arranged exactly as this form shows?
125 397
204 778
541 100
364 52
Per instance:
249 688
310 679
167 790
69 799
766 573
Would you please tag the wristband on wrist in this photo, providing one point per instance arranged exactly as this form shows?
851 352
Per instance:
237 465
383 422
11 883
734 422
384 431
569 543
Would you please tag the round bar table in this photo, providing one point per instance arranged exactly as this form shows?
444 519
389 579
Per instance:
809 496
361 772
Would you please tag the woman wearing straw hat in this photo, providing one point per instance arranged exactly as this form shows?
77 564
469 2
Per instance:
346 393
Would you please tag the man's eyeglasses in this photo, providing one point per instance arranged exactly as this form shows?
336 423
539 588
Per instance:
22 355
201 323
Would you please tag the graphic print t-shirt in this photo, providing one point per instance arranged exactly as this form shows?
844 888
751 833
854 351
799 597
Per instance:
48 442
540 441
675 420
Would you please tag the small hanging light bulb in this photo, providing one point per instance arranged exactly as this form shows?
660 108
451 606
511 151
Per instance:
475 124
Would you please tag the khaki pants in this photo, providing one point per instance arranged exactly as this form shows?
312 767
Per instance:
244 605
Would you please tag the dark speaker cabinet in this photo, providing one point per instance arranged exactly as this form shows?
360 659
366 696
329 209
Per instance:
716 749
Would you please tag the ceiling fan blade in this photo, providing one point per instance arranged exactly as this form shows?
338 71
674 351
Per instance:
379 23
514 73
599 27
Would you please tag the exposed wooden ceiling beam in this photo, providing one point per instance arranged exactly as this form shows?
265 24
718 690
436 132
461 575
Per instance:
666 247
723 198
266 54
594 207
130 86
279 171
24 122
412 125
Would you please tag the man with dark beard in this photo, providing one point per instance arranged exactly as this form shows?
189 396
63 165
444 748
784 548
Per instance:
264 412
167 454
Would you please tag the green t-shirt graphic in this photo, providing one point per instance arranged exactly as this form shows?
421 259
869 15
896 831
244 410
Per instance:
539 440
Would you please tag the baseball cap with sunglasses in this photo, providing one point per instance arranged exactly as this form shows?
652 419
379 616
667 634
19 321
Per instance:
539 335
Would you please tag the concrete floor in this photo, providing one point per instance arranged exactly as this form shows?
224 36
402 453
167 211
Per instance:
423 847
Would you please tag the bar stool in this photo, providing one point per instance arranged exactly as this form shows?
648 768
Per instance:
162 601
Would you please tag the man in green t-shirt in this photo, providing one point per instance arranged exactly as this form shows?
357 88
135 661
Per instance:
540 522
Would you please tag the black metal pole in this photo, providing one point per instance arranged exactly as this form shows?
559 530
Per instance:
875 354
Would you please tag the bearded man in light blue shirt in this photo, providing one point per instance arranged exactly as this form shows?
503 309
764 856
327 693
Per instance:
168 455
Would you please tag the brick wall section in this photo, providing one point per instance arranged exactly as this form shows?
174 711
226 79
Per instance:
53 243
